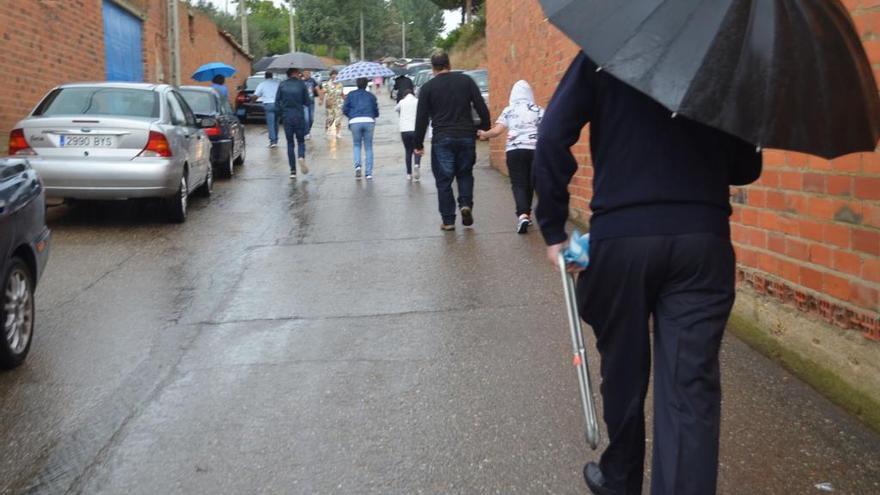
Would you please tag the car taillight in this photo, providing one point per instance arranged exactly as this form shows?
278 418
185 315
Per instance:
241 98
18 145
157 146
213 131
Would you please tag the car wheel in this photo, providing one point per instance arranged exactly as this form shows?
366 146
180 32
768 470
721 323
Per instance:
16 314
176 204
207 187
240 160
226 168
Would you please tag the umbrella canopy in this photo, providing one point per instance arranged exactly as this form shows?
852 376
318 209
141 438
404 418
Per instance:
787 74
209 71
364 69
296 60
263 63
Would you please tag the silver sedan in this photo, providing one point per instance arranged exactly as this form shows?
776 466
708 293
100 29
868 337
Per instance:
106 141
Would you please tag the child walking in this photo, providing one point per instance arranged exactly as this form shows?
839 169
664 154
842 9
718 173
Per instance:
407 109
520 120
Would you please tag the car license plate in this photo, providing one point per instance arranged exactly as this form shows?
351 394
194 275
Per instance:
80 141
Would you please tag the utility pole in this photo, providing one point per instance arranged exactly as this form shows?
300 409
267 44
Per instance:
403 39
173 42
242 12
292 31
362 32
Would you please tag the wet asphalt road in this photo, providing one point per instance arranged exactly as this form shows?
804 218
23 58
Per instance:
323 336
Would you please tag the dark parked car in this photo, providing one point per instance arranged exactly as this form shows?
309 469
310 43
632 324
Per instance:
227 137
246 109
24 250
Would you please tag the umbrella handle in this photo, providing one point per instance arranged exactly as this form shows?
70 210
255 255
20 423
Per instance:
580 358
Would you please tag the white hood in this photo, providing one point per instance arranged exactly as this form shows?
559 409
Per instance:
522 92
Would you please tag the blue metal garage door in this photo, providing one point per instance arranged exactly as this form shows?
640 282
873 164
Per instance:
123 45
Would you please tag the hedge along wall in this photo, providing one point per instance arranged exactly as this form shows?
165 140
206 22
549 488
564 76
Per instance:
807 234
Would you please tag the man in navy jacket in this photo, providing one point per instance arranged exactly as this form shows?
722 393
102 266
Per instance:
660 248
291 103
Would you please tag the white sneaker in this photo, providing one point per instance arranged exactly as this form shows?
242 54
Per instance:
357 173
308 137
417 174
408 177
369 177
522 224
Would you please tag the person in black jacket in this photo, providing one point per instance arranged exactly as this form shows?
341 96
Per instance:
448 101
660 248
291 103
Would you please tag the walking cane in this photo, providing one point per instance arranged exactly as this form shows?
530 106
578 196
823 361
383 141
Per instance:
577 252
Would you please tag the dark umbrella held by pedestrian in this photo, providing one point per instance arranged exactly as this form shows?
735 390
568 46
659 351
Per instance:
785 74
296 60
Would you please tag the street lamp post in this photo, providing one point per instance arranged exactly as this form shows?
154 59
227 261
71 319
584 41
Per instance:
403 25
292 32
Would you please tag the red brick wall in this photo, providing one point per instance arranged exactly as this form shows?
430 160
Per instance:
201 42
41 42
807 233
44 43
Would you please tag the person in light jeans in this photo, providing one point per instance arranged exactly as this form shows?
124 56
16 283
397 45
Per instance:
265 94
362 110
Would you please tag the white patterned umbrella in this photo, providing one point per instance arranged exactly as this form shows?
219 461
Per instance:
364 69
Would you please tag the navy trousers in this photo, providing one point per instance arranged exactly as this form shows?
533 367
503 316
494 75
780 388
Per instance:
686 284
453 159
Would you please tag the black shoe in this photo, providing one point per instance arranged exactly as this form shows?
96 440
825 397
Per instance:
467 216
595 480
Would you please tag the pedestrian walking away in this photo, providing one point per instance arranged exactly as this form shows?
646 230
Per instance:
447 101
333 99
219 84
407 108
377 84
291 102
519 121
314 91
362 109
660 248
265 94
402 83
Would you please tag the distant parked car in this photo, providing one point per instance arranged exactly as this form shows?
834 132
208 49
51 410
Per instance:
108 141
349 86
227 137
24 250
245 109
481 77
420 78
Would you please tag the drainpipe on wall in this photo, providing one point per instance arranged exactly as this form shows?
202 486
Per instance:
174 42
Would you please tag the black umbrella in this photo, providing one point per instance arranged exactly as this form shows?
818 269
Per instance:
296 60
788 74
263 63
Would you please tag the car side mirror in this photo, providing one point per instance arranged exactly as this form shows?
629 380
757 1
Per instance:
207 122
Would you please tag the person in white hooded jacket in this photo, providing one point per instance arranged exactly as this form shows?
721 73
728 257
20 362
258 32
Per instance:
407 109
520 121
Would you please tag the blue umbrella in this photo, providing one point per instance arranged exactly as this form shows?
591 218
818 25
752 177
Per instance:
364 69
209 71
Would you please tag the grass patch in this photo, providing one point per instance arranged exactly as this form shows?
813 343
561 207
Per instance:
825 381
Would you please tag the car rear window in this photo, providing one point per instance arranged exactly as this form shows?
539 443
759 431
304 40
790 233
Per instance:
100 101
253 82
481 78
201 102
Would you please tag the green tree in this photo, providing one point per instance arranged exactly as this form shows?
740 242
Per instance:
468 7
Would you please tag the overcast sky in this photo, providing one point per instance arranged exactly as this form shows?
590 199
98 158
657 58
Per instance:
452 17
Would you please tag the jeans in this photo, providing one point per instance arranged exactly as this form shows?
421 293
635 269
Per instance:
409 148
453 158
519 166
310 116
363 133
271 122
295 127
686 283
